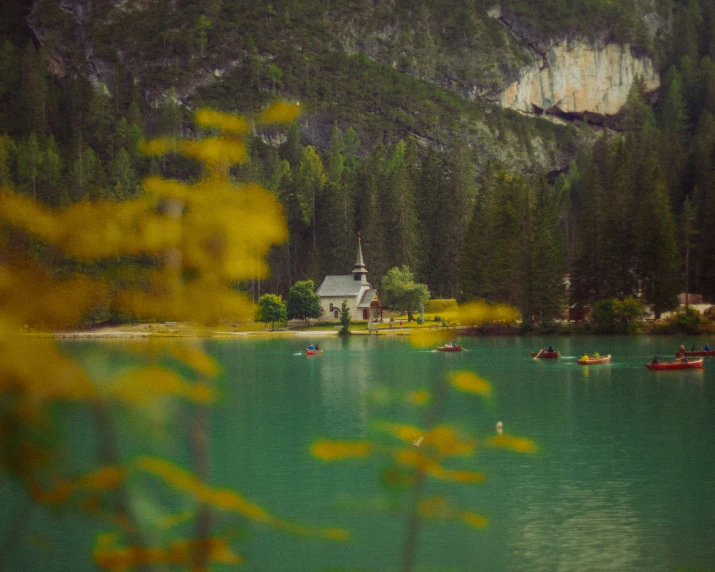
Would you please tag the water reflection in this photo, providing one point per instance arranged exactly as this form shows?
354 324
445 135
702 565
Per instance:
581 526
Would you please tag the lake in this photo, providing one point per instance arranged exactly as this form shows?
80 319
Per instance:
623 478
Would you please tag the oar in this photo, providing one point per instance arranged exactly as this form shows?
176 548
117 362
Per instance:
540 352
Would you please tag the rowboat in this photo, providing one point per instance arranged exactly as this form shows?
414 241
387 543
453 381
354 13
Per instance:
594 361
313 352
694 364
545 355
449 349
695 353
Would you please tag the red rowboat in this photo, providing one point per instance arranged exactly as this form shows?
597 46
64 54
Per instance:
449 349
694 364
594 361
546 355
696 353
313 352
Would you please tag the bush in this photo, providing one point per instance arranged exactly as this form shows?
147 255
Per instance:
614 316
685 321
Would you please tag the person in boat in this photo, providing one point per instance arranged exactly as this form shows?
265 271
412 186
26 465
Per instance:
311 347
681 349
596 355
685 360
693 348
585 356
550 350
655 360
706 347
317 348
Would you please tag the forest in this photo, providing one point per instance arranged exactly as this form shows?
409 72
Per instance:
630 216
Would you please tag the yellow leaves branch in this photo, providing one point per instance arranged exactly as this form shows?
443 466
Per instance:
108 555
227 499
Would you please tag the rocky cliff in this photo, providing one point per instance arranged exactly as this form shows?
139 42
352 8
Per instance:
578 76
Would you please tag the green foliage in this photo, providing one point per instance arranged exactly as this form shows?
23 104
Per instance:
614 316
401 292
303 302
345 318
201 28
271 308
685 321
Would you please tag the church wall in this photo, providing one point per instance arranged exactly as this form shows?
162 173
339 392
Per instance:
337 301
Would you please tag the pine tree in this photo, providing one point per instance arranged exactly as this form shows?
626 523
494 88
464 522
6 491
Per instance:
618 271
122 177
688 232
309 183
369 215
399 208
8 152
656 247
34 85
50 180
9 84
674 122
546 281
29 158
587 284
345 318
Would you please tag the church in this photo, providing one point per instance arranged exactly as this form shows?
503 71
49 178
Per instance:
364 302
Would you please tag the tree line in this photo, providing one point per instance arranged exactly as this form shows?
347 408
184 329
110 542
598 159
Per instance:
631 217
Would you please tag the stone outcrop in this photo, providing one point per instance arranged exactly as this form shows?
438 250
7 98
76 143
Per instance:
576 76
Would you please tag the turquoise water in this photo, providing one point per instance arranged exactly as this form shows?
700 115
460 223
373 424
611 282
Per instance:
624 478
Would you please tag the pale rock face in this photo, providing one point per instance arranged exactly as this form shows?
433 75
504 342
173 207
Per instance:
578 76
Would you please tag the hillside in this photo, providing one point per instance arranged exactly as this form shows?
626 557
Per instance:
491 147
388 69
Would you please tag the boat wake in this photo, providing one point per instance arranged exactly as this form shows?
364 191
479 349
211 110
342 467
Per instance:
298 354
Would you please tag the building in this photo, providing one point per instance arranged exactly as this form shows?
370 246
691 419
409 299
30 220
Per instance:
364 302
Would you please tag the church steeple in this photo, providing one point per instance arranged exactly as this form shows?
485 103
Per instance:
360 272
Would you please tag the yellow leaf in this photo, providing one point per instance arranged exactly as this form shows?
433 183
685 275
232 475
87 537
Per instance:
157 146
419 398
145 384
119 559
518 444
470 382
214 151
226 499
475 520
226 122
336 450
446 442
280 112
425 337
431 467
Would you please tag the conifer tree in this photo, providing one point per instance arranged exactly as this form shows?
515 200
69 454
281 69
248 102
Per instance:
34 85
674 117
309 183
369 214
688 232
656 246
618 271
399 208
586 279
50 180
546 280
28 164
122 176
8 151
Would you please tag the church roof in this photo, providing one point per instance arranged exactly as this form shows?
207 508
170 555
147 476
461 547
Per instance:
367 298
340 286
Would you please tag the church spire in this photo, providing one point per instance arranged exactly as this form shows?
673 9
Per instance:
360 272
